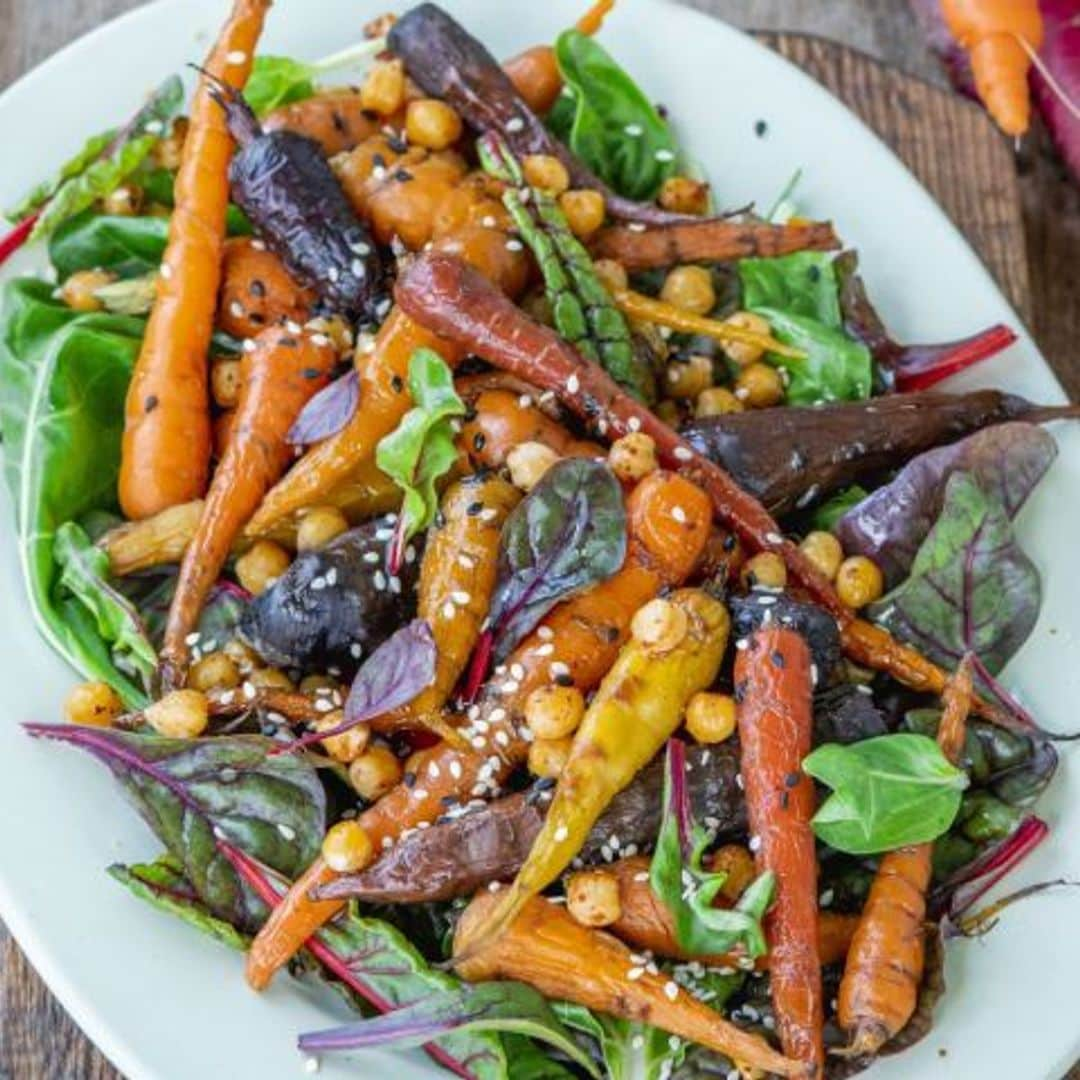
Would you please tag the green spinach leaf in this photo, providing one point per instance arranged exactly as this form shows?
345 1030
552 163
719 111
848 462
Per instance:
420 450
828 514
835 368
605 119
191 791
888 792
64 377
128 246
480 1007
631 1051
84 576
801 284
276 81
90 151
687 890
971 587
162 884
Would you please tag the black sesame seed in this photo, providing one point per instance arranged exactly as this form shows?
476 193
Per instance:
339 122
311 373
256 318
151 403
474 508
397 384
378 161
730 542
257 288
791 780
397 143
288 342
403 175
777 658
760 128
409 779
785 798
610 634
740 691
478 441
564 679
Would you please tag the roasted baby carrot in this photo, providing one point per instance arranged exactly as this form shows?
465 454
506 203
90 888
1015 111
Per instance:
675 651
577 641
644 922
336 119
547 949
1000 36
774 688
257 290
165 456
715 240
884 968
457 575
278 376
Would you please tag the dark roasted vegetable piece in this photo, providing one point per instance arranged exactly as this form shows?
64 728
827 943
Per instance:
755 611
845 714
284 184
329 601
449 63
791 457
459 855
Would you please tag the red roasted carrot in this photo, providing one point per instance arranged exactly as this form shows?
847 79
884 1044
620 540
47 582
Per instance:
165 456
578 640
277 377
774 689
884 967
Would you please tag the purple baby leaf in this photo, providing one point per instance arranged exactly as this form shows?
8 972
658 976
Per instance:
971 588
327 412
1060 54
1006 461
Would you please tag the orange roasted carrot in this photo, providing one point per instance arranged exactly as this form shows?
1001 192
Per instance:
165 457
774 691
645 923
716 239
577 641
277 377
257 290
1000 37
335 118
545 948
885 964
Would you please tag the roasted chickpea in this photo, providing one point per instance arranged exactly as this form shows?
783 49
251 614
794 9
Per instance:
374 772
633 457
547 172
78 292
319 526
716 401
824 551
183 714
740 352
688 378
612 274
215 671
584 209
859 582
347 848
225 382
592 897
93 704
528 462
553 712
735 861
765 570
336 329
710 718
318 685
383 91
242 655
270 678
261 565
759 386
660 625
168 151
547 757
347 746
689 288
681 195
123 201
432 124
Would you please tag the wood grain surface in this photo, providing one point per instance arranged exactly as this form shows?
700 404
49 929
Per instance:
1024 222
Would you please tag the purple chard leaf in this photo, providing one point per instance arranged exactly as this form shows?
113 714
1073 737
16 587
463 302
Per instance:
395 673
328 411
971 588
567 534
1006 461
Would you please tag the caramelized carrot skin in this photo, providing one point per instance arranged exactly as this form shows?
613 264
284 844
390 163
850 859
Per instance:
257 290
536 77
334 118
165 457
774 688
278 376
586 633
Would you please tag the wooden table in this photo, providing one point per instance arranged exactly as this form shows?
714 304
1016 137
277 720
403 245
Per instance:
1035 257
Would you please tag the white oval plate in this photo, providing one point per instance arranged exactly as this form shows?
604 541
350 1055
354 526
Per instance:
163 1002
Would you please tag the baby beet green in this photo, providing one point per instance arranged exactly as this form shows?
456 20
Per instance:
888 792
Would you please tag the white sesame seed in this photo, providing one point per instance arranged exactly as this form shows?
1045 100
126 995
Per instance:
489 513
497 715
515 124
773 538
488 221
664 155
634 130
634 423
193 638
514 244
561 833
502 738
449 611
511 686
754 843
237 56
395 584
166 271
236 309
638 1041
248 345
286 831
371 557
545 633
559 668
320 339
318 583
679 514
546 649
324 705
460 597
635 973
466 562
311 1065
455 769
573 384
479 742
524 401
641 875
671 990
248 690
683 453
636 226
